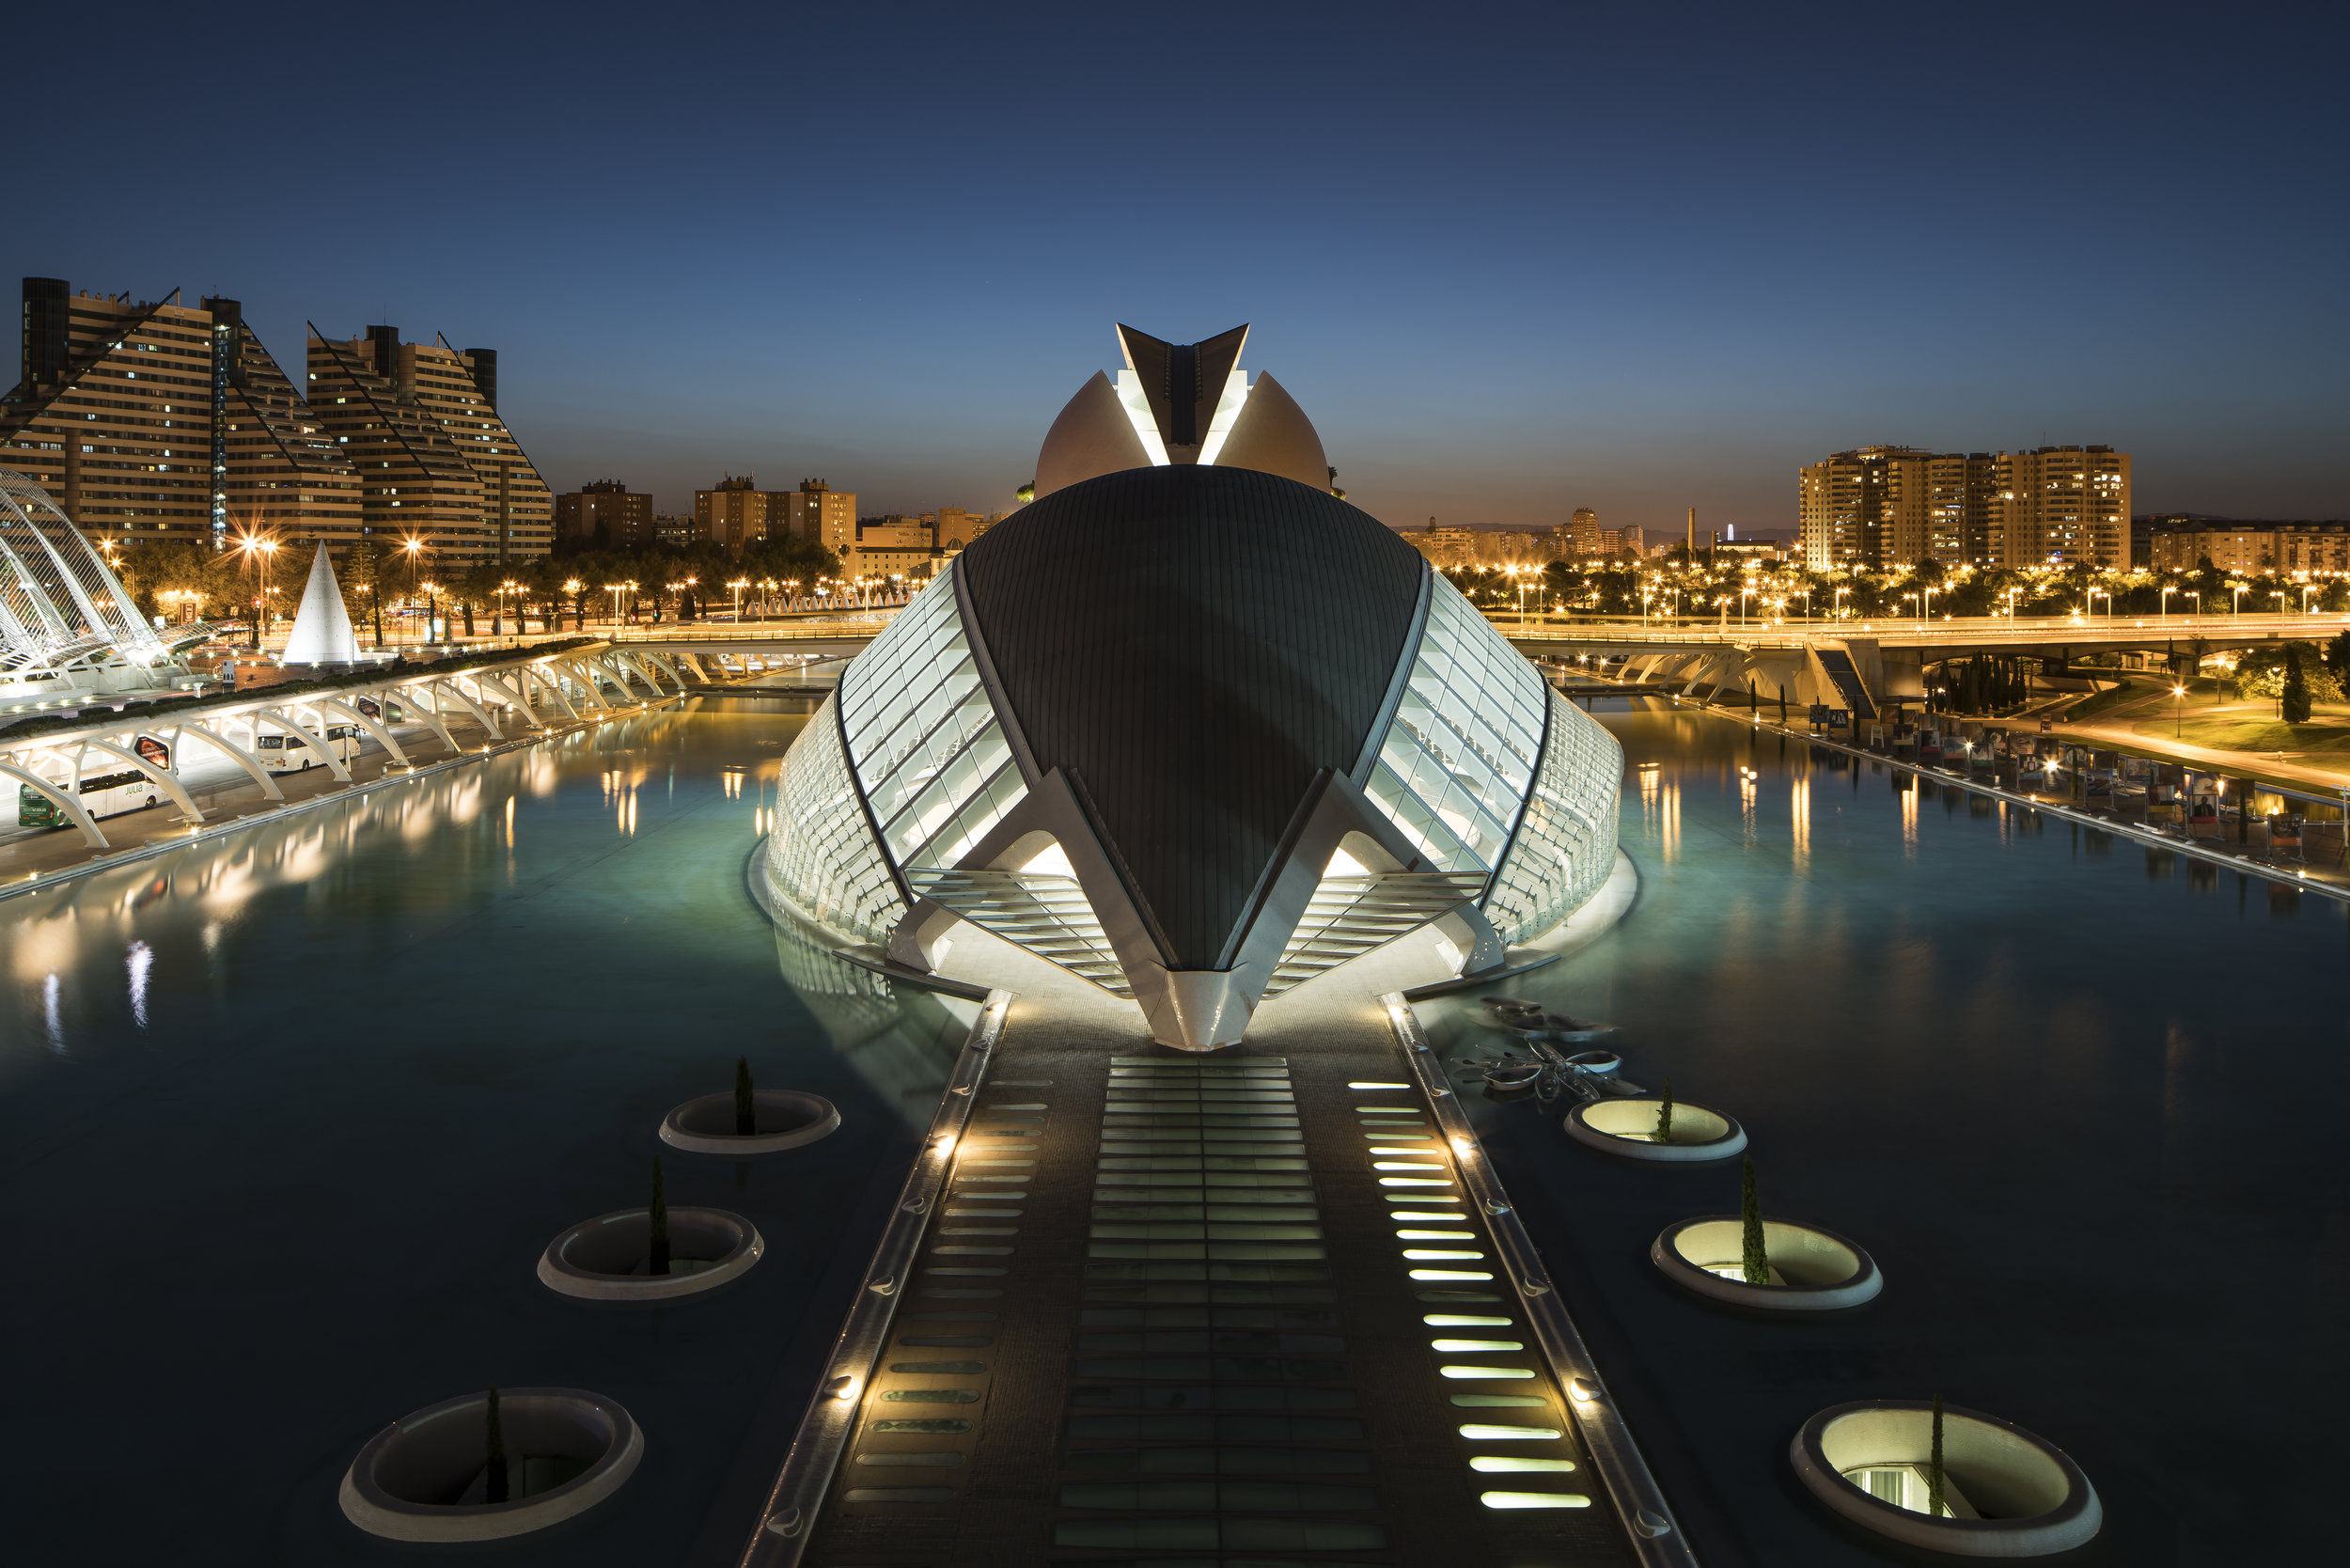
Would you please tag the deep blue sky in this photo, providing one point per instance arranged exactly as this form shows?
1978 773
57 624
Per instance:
1512 260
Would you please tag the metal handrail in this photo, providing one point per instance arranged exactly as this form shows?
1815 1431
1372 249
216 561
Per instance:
787 1524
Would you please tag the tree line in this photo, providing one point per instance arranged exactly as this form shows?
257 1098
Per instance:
684 582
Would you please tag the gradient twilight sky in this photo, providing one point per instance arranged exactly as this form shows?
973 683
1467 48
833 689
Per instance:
1512 260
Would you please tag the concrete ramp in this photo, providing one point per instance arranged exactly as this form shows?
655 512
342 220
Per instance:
1834 668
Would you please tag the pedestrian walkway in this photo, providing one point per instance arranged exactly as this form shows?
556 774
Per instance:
1240 1307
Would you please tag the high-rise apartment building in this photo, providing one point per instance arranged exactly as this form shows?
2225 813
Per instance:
735 513
1865 508
822 515
2066 505
1890 506
435 461
607 513
151 420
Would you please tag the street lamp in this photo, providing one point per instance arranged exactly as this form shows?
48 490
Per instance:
2178 710
573 587
431 610
250 546
2240 589
1836 604
2167 592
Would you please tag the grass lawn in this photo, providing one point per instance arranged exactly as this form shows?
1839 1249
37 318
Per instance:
2135 687
2253 731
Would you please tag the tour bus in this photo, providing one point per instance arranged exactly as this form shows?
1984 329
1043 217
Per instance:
105 795
291 754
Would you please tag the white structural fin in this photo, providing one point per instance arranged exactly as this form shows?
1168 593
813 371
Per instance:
321 628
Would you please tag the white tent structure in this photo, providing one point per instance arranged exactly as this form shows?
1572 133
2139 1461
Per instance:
321 629
64 619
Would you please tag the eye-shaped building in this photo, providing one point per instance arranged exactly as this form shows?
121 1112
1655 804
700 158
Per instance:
1194 728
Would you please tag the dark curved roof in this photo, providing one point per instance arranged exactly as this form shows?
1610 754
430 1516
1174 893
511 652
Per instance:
1193 644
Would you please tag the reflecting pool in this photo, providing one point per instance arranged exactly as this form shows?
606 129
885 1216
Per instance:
2075 1096
290 1117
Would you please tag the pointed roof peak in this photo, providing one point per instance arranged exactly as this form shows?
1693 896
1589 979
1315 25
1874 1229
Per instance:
322 630
1183 382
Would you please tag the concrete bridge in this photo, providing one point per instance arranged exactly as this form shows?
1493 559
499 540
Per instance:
1866 667
1869 666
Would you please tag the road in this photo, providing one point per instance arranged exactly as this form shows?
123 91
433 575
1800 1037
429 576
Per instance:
224 792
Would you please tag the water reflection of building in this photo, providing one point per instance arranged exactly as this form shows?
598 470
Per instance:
902 1039
1193 728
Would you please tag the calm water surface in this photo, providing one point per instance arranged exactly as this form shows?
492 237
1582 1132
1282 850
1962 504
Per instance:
287 1122
2077 1099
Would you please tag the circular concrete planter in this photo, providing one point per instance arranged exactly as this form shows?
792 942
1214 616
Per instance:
2031 1498
1622 1127
603 1258
412 1481
1817 1271
786 1119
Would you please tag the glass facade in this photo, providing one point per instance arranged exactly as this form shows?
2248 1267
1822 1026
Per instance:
1456 764
933 763
1506 788
821 856
1566 845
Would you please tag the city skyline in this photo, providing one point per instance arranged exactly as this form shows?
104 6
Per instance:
1634 264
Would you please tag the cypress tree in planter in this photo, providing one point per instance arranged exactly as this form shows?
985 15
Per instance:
493 1474
657 1228
745 1107
1935 1507
1663 1133
1756 1259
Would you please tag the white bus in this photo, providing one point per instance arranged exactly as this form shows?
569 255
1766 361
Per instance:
107 795
291 754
